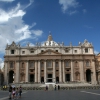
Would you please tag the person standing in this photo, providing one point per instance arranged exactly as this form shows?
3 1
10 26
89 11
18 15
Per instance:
10 91
55 87
3 87
46 88
13 93
17 91
20 91
58 87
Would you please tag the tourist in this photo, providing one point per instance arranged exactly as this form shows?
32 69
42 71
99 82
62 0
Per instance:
46 88
20 91
58 87
13 93
10 91
17 92
55 87
3 87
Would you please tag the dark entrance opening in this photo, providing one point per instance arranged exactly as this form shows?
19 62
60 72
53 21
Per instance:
42 79
88 75
67 77
31 77
57 79
11 76
49 76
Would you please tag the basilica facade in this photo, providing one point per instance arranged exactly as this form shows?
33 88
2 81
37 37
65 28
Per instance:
50 62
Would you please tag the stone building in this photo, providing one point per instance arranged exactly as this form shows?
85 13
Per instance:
49 62
1 78
97 59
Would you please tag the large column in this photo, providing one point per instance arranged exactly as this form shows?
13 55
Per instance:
54 75
6 73
45 72
94 81
72 71
36 67
60 72
63 71
27 72
39 72
17 72
81 71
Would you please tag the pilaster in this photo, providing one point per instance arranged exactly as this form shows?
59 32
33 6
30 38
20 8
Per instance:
94 81
72 71
54 75
39 72
82 78
27 72
6 73
36 78
45 72
17 71
60 72
63 71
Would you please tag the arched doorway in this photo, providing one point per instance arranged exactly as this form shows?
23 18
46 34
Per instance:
11 76
88 75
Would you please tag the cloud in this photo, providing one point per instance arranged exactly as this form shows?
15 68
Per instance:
84 11
37 32
89 27
7 15
31 1
7 0
66 4
1 63
72 12
96 52
14 28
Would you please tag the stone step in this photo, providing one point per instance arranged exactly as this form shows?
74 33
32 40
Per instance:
51 87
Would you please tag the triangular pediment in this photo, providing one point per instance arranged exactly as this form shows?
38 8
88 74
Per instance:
49 52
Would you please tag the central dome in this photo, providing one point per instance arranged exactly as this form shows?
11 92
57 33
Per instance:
50 42
49 38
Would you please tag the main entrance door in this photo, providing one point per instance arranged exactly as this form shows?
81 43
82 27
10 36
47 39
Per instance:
31 77
49 77
11 76
88 75
57 79
67 77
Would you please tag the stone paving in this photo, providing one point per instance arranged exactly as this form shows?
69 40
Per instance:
58 95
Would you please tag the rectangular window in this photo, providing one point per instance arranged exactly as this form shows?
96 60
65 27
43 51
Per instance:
42 50
49 64
23 52
31 64
12 51
11 65
66 51
67 64
31 51
56 50
75 51
57 65
86 50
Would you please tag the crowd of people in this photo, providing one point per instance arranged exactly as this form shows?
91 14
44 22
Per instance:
15 93
55 88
